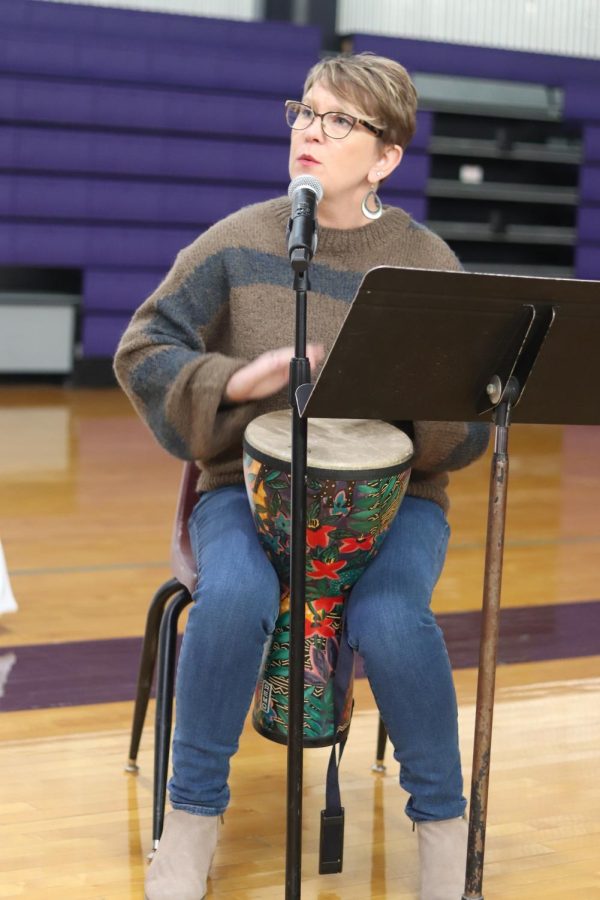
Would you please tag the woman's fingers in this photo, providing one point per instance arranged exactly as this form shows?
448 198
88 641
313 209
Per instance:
315 353
267 374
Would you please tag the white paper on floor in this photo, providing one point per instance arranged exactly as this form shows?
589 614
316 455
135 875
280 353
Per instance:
7 661
7 598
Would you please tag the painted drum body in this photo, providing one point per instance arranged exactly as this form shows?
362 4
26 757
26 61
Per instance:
358 472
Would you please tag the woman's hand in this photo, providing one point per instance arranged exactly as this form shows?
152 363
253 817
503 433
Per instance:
267 374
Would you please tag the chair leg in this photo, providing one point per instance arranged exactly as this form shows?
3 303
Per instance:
167 646
378 765
146 669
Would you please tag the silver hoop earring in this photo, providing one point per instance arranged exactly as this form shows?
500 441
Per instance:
371 213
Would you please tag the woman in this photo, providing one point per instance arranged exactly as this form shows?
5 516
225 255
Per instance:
198 362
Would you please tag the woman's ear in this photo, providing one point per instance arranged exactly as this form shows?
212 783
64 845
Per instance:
389 160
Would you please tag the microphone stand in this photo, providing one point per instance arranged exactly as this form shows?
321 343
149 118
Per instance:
299 375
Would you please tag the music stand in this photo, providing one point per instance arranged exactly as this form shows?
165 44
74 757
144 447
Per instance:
453 346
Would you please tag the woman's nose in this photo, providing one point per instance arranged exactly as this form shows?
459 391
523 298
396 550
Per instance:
314 130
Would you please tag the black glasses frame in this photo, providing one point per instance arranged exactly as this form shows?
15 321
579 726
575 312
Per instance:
315 115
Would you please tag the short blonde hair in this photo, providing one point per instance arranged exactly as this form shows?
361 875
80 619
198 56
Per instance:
380 88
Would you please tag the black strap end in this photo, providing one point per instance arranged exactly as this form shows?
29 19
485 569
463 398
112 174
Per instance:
331 846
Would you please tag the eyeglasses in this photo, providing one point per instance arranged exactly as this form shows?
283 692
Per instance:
337 125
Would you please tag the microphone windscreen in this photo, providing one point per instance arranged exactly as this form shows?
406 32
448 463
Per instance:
308 182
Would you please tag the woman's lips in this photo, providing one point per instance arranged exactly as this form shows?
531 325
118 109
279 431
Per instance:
308 161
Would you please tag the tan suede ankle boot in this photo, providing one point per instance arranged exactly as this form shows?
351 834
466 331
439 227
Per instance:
180 866
443 858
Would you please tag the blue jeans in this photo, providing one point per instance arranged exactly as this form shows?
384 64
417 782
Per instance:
390 624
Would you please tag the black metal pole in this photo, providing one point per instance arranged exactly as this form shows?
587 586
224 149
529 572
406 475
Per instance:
488 648
299 374
379 765
147 665
165 681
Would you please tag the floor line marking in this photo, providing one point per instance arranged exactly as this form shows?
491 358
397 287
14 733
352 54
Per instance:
75 570
161 564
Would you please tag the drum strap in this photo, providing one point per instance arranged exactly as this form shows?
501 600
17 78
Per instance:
331 847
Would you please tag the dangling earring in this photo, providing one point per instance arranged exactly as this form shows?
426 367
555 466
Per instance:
371 213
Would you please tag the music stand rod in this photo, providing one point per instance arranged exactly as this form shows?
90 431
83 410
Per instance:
299 375
488 648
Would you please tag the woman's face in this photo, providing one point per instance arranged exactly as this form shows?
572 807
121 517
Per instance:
346 168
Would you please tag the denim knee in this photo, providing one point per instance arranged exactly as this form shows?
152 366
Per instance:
242 601
393 631
236 580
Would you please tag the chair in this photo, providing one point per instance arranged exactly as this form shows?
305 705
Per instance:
160 645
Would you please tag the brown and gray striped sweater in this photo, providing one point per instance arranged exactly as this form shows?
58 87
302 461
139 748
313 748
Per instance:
228 298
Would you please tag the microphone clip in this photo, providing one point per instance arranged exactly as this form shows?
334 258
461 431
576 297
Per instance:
301 255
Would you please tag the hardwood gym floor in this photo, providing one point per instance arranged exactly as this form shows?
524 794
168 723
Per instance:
86 504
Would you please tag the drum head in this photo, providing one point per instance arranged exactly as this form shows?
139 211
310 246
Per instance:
354 448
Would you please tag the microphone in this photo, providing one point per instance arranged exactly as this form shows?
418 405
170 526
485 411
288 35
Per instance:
305 193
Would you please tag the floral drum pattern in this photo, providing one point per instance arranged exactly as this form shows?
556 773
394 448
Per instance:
347 522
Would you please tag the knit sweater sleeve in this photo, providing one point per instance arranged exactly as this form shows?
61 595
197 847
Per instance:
447 446
164 361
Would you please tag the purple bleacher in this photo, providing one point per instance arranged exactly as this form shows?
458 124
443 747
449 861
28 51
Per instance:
480 62
591 144
131 107
100 199
150 203
119 290
588 228
589 184
587 261
581 99
82 19
423 133
414 204
137 107
108 59
81 244
101 333
61 150
589 225
117 125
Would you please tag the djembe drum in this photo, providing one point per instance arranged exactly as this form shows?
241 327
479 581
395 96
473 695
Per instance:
357 475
